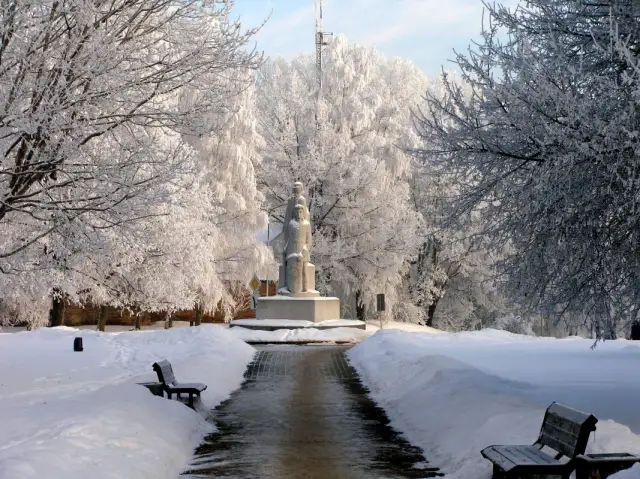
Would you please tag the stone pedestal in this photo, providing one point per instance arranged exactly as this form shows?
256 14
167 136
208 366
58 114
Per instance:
315 309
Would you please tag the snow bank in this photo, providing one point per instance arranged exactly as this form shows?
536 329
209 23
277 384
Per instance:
307 333
633 473
373 325
454 394
67 414
350 335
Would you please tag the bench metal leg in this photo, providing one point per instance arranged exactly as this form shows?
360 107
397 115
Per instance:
191 398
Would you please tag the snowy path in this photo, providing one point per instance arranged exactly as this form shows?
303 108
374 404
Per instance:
302 413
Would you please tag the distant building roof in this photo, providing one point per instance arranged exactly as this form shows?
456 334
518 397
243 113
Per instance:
274 230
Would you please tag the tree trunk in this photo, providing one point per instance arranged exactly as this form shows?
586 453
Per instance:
56 314
102 319
199 313
168 320
359 306
138 315
431 312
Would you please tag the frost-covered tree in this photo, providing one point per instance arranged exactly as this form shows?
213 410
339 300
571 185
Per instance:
450 284
344 143
128 140
89 89
514 324
546 148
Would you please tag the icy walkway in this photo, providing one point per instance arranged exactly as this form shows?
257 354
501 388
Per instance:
303 413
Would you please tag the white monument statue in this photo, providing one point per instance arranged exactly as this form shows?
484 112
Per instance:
297 297
297 252
297 274
295 199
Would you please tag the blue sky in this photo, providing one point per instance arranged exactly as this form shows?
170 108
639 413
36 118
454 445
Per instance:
424 31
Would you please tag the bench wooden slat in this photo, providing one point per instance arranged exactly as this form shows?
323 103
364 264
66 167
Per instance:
510 457
186 387
536 455
165 372
566 430
562 423
557 444
568 413
516 457
497 458
570 429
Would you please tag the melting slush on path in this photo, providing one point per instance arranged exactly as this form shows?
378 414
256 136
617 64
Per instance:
302 413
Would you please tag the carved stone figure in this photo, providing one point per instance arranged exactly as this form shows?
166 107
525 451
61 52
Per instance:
297 251
295 199
297 274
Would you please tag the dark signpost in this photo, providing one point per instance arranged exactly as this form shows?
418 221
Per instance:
380 300
380 303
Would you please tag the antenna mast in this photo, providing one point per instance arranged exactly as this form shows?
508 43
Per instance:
320 41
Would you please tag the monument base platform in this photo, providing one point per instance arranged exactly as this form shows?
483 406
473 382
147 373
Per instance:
275 324
314 309
303 294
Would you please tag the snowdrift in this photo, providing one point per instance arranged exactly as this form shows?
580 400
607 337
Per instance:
454 394
339 334
350 335
75 415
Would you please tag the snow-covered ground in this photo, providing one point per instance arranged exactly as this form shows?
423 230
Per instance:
75 415
454 394
373 326
633 473
78 415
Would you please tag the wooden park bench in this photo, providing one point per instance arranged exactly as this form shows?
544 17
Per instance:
165 375
564 431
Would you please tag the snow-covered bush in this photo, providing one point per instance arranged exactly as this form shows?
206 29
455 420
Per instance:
514 324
